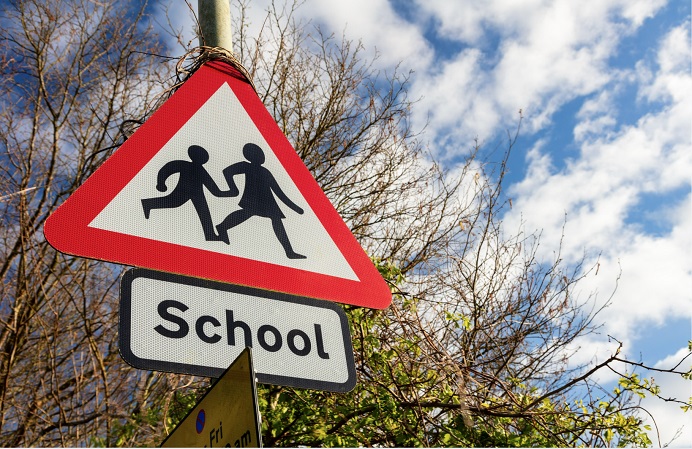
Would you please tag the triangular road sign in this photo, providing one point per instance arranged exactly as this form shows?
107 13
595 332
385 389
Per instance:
210 187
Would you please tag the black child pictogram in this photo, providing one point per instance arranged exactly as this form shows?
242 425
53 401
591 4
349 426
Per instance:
193 178
258 198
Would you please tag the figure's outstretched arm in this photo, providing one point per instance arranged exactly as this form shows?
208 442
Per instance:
167 170
214 189
282 196
228 174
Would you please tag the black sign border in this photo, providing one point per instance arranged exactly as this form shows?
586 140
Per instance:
124 335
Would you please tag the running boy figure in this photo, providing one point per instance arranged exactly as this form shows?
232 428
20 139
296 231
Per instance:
193 178
258 198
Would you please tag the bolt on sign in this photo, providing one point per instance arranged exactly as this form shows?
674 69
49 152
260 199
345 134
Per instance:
227 415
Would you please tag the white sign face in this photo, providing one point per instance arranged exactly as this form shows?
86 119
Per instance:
193 326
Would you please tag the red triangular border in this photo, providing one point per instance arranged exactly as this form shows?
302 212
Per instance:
68 231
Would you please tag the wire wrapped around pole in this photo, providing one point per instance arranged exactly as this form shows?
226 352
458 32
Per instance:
206 54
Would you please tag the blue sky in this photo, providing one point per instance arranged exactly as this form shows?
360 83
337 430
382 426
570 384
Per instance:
605 91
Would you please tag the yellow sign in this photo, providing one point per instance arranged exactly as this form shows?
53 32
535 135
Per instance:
227 415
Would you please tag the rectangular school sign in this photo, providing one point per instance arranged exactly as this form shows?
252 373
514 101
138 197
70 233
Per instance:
193 326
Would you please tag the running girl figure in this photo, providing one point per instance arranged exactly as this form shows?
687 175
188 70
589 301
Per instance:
258 198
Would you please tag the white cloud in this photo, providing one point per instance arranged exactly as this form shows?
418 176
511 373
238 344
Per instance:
650 156
674 55
549 52
639 11
597 115
673 81
451 104
377 25
597 126
656 278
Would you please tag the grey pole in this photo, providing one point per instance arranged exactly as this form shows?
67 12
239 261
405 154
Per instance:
215 23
